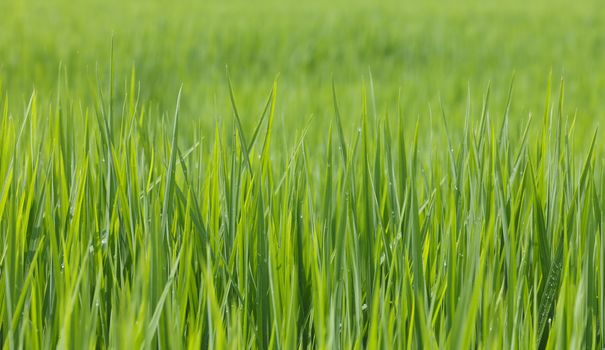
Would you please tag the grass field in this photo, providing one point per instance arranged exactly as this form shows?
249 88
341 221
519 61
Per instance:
302 175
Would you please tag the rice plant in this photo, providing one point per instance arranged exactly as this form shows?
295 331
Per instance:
351 180
118 233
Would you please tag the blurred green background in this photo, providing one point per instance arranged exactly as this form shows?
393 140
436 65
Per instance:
417 54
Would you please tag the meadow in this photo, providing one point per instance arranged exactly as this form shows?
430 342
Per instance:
301 175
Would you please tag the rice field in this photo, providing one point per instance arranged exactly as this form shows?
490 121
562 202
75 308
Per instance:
301 175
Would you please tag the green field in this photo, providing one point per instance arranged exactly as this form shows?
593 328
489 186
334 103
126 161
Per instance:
302 175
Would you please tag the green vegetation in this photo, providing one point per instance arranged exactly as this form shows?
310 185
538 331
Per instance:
360 176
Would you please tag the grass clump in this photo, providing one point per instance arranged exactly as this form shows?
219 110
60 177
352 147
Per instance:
116 232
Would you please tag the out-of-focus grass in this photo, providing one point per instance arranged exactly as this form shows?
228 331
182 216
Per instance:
417 52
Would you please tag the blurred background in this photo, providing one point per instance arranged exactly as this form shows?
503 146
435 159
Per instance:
405 56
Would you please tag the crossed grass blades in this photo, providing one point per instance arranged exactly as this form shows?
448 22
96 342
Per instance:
117 233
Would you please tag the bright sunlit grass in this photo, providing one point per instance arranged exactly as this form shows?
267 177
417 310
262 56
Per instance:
173 205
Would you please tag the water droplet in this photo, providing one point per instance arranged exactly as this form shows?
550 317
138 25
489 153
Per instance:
104 235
